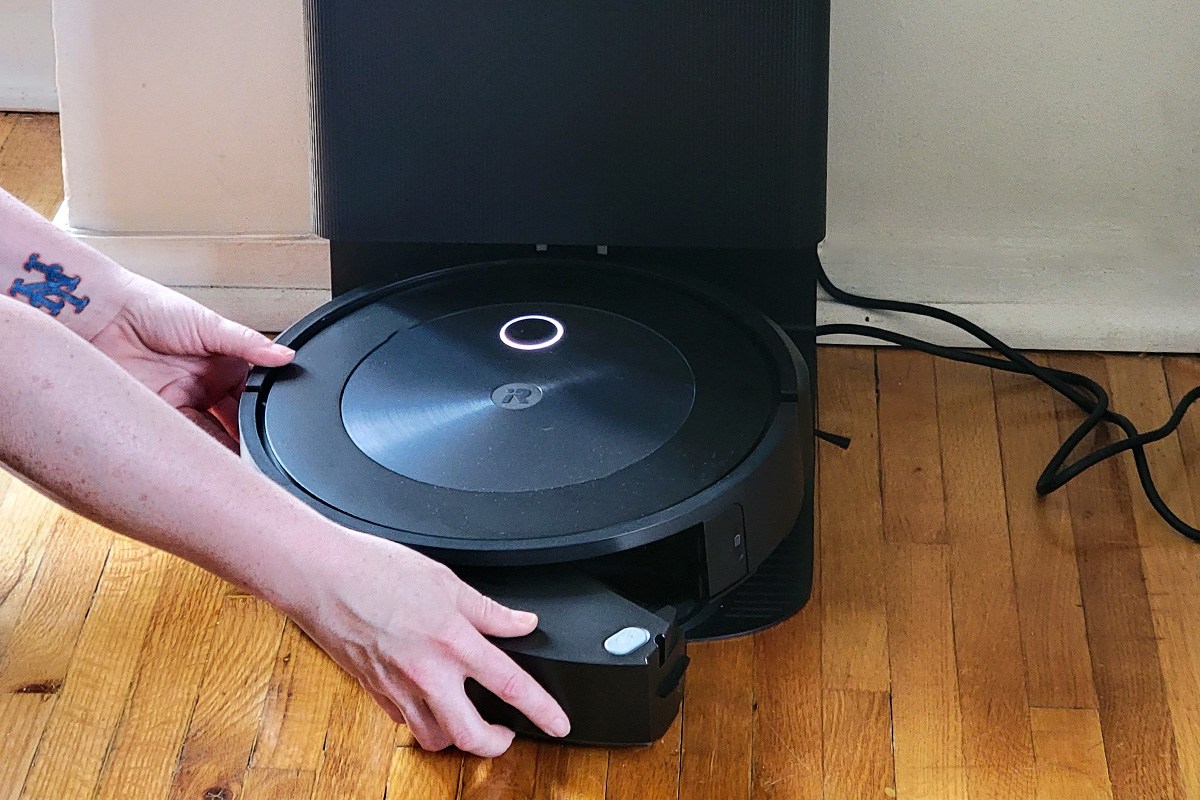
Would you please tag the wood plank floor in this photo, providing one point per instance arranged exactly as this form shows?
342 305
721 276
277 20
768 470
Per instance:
965 639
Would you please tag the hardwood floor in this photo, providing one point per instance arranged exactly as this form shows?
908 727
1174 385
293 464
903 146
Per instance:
965 638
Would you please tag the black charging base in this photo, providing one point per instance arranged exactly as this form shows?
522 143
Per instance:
782 283
614 693
778 589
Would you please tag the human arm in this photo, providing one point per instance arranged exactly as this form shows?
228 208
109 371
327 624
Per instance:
27 240
77 424
188 355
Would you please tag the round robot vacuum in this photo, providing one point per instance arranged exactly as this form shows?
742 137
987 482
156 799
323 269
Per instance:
535 412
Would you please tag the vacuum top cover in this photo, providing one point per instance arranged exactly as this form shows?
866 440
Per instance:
523 411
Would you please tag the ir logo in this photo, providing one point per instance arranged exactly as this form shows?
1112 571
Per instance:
517 396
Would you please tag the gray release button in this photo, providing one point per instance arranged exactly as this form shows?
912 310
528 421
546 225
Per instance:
626 640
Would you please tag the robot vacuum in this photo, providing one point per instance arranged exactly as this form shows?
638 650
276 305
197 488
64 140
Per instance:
644 436
565 243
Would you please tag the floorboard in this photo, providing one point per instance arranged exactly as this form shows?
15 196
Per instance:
1135 719
993 696
965 638
1058 665
718 721
221 733
1171 564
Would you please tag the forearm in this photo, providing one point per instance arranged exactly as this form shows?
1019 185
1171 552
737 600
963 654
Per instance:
38 265
76 424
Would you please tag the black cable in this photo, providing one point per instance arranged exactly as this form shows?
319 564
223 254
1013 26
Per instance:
1079 389
1101 398
835 439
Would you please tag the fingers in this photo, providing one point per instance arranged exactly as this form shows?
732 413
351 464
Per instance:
417 716
458 717
500 675
222 336
424 726
273 355
225 411
497 672
386 704
446 717
492 619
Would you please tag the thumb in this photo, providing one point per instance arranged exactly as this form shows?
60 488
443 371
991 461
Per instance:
225 337
492 619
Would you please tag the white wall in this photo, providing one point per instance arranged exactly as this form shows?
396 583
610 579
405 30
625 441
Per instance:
187 116
26 56
1035 164
186 146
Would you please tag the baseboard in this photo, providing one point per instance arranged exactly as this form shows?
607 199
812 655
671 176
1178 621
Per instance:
269 282
1081 288
266 282
278 262
29 98
1024 325
1027 326
1164 328
264 309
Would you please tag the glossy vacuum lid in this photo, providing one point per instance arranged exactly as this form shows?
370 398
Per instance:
517 412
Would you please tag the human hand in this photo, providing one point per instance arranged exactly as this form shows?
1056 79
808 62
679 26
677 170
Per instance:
411 633
187 354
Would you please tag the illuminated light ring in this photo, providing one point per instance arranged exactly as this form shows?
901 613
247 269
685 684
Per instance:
553 340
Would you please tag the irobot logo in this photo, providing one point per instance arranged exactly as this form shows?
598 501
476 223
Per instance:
517 396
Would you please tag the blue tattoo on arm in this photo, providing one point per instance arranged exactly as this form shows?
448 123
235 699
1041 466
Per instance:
53 292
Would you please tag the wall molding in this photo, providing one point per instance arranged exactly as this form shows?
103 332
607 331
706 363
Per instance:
1068 288
1043 326
27 79
268 282
265 309
19 97
1033 325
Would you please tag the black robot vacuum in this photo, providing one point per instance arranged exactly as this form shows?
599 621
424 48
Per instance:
556 357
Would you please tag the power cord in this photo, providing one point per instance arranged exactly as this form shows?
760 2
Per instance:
1079 389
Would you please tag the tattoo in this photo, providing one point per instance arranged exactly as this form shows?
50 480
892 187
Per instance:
52 293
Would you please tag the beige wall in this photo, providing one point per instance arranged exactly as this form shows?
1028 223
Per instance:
188 116
26 56
977 146
1033 163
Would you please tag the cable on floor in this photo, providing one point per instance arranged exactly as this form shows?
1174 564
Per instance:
1081 390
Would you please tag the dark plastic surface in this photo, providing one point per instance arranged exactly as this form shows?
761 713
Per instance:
687 138
725 550
566 654
449 404
781 284
672 123
766 492
293 425
778 588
